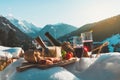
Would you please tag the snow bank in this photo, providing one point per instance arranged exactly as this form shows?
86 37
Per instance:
84 63
106 67
3 55
14 51
55 73
11 69
115 39
80 65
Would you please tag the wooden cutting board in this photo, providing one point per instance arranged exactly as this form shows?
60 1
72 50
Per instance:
26 65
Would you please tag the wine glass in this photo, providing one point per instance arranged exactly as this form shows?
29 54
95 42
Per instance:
87 41
78 47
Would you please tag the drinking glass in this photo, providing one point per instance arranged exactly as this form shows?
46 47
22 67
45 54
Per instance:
77 44
87 41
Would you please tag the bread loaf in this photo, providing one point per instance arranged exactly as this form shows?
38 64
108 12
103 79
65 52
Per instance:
32 56
35 56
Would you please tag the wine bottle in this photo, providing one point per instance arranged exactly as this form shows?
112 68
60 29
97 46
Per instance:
52 39
43 45
65 45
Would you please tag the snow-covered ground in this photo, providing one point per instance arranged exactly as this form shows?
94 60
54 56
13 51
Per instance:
105 67
113 40
55 73
10 51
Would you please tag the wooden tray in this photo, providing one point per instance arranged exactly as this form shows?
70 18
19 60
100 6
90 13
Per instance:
27 65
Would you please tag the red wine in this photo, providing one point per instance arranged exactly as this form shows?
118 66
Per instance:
78 51
88 45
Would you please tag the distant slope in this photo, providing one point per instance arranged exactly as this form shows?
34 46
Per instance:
10 35
114 43
57 30
101 30
26 27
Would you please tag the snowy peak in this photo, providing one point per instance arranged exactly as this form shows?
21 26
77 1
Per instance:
31 26
26 27
6 25
9 34
10 17
56 30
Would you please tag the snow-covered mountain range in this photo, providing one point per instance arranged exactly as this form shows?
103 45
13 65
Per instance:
26 27
114 43
31 30
61 29
10 35
57 30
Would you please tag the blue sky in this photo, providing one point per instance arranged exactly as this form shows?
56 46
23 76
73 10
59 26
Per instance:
73 12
